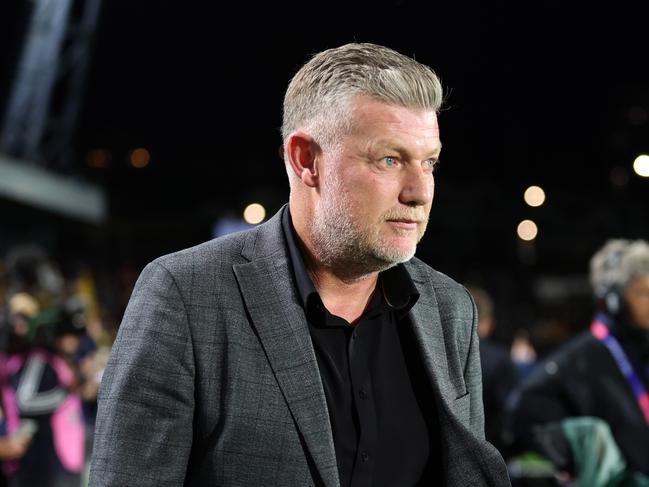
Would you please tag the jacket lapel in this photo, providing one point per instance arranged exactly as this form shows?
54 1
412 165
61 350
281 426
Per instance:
430 336
267 287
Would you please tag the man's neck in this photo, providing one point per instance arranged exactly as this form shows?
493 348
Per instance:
344 297
342 294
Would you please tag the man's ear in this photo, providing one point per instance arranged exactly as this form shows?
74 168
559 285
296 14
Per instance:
302 152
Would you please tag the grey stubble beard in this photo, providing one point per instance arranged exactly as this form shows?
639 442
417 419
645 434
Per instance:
341 245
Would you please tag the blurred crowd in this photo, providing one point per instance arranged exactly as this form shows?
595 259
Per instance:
54 347
577 414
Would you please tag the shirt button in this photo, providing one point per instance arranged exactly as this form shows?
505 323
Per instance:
362 394
365 457
354 335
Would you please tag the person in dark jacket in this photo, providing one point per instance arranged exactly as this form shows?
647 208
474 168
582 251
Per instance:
586 407
499 374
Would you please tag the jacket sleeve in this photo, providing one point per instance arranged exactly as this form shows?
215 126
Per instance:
143 434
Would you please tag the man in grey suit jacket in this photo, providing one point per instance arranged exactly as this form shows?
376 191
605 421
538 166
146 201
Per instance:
314 349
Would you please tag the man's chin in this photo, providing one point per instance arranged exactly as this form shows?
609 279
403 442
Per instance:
395 255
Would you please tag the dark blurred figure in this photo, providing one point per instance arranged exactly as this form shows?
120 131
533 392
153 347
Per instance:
499 374
29 270
40 395
523 353
13 444
55 348
586 406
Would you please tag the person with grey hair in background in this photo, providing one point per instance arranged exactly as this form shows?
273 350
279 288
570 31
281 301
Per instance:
586 407
314 349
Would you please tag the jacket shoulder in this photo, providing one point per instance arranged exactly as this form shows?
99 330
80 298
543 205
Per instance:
215 254
577 352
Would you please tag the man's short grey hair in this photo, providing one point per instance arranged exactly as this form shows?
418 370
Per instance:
319 95
617 263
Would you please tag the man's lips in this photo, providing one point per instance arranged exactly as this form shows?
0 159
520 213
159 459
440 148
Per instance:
404 224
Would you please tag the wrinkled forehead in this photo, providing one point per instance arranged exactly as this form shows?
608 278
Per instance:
365 109
383 123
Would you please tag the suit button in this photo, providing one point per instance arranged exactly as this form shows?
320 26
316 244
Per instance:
365 457
362 394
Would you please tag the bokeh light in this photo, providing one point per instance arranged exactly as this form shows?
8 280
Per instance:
254 213
527 230
534 196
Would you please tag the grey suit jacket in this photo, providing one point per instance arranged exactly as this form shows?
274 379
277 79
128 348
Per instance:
213 380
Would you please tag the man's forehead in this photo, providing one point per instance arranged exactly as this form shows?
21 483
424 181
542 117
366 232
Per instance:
374 112
421 132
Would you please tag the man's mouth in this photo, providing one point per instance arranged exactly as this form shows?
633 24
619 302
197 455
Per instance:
404 224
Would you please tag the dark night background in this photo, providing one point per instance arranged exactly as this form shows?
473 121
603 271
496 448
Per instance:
537 93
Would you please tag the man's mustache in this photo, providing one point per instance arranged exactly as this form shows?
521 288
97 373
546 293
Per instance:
417 215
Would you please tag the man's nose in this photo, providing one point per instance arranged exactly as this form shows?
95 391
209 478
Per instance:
417 187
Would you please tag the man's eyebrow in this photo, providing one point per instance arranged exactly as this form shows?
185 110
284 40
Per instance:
436 152
403 151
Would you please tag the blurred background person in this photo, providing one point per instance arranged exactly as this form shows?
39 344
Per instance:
523 353
499 374
45 372
586 406
12 445
42 383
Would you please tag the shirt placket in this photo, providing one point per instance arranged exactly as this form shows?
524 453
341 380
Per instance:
359 349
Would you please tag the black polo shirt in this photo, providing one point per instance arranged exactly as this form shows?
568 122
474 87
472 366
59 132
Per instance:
381 407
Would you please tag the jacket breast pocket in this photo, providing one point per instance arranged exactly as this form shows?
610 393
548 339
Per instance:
461 409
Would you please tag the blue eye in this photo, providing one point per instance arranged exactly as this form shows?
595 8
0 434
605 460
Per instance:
430 163
390 161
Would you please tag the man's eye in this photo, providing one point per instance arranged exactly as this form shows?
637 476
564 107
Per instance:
430 163
390 161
